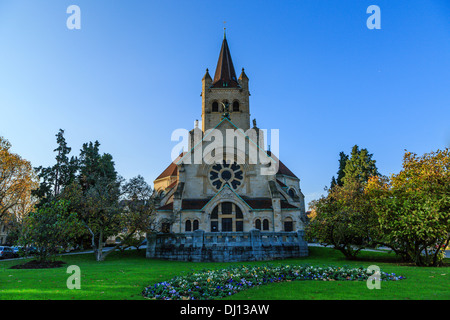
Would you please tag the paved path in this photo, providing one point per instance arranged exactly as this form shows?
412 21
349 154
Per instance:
106 249
381 249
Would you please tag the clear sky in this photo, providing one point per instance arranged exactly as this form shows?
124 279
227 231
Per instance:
132 75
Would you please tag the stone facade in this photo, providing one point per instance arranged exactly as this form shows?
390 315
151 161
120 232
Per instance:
232 192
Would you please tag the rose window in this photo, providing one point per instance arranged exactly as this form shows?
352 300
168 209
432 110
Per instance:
223 173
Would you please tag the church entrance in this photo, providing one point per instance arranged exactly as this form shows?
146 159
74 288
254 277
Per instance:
230 217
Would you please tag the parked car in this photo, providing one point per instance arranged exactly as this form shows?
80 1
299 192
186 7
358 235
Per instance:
31 250
17 250
6 252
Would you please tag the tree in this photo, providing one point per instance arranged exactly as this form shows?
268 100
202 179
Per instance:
138 212
55 178
17 180
343 158
413 207
96 195
345 218
51 229
359 166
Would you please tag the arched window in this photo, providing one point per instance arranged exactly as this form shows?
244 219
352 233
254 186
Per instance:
239 219
195 227
215 106
288 224
235 106
258 224
230 217
214 220
214 214
188 227
291 193
266 225
239 213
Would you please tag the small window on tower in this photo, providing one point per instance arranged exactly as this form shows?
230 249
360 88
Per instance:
215 107
235 106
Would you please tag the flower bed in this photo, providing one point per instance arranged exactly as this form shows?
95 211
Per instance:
212 284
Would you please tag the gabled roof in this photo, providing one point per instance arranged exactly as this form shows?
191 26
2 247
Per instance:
282 169
172 169
225 76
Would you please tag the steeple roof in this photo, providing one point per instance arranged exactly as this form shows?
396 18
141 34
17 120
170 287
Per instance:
225 76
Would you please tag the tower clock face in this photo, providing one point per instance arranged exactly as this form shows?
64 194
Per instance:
223 173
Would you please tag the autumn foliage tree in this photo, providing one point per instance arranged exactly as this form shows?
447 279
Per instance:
17 180
413 207
344 218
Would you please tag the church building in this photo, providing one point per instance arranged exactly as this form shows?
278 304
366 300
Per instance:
226 198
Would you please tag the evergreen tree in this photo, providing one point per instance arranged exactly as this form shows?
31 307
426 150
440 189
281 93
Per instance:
360 166
343 158
54 179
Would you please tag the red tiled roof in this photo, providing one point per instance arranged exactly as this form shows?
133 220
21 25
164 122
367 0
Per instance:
172 169
266 203
168 206
282 169
173 184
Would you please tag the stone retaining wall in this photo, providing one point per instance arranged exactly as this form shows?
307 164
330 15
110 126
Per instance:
226 246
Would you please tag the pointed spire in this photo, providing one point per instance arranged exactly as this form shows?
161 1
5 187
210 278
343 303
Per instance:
207 76
225 75
243 75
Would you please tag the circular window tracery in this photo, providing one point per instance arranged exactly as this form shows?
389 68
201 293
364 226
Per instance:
222 173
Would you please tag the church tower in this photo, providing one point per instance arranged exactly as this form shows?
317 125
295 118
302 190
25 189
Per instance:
217 201
225 91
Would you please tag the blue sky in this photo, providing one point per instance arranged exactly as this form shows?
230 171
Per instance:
132 75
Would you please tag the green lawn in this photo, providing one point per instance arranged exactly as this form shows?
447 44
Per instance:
124 275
